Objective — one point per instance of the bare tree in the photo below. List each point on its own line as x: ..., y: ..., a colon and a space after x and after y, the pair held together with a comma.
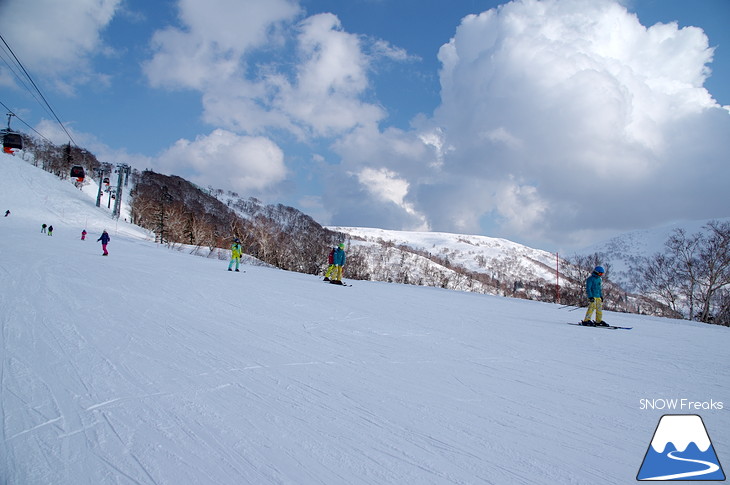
x: 692, y: 272
x: 714, y: 266
x: 683, y: 251
x: 656, y: 277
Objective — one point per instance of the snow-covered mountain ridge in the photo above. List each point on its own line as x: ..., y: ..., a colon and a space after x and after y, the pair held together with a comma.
x: 627, y: 250
x: 451, y: 260
x: 472, y: 252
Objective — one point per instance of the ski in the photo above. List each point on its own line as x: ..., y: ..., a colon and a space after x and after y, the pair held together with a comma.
x: 609, y: 327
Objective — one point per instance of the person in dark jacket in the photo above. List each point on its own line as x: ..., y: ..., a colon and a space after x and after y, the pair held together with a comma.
x: 331, y: 262
x: 50, y: 230
x: 104, y: 238
x: 594, y: 292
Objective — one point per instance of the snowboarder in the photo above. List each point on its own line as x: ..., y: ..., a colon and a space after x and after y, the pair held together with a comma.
x: 43, y: 228
x: 594, y: 293
x: 83, y: 235
x: 104, y: 238
x: 331, y: 262
x: 50, y: 230
x: 339, y: 262
x: 7, y: 213
x: 236, y: 253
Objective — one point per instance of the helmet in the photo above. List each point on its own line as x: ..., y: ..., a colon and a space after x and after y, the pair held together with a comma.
x: 236, y: 240
x: 599, y: 269
x: 342, y: 246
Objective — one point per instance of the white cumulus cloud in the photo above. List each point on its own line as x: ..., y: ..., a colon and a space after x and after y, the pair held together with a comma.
x: 61, y: 39
x: 226, y: 160
x: 561, y: 118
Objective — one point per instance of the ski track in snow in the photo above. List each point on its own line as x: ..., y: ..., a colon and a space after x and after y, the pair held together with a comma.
x: 155, y: 367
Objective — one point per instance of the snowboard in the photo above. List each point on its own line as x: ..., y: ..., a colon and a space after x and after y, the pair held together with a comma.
x: 337, y: 283
x: 609, y: 327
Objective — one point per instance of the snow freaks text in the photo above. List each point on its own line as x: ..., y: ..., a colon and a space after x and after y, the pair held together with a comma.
x: 687, y: 405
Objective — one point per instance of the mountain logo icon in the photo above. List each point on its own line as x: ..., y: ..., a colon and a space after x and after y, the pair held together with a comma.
x: 681, y: 450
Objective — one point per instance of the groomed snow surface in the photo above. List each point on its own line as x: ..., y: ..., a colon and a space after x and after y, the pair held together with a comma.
x: 152, y: 366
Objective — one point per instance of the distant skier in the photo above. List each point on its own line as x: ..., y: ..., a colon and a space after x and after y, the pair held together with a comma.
x: 339, y: 262
x: 331, y: 262
x: 7, y: 213
x: 104, y: 238
x: 83, y: 235
x: 594, y: 292
x: 50, y: 230
x: 236, y: 253
x: 43, y: 228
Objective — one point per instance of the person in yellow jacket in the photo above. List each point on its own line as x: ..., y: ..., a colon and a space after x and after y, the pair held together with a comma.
x: 236, y: 253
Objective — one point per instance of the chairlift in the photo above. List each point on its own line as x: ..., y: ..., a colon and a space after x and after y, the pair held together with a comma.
x: 12, y: 141
x: 106, y: 181
x: 77, y: 171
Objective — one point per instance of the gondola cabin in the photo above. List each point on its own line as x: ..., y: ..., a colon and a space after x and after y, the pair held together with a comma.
x: 12, y: 141
x: 77, y: 172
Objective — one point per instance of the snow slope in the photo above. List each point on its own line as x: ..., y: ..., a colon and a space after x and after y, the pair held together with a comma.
x: 154, y: 367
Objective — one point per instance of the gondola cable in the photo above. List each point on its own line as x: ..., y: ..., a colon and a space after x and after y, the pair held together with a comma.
x: 27, y: 75
x: 23, y: 121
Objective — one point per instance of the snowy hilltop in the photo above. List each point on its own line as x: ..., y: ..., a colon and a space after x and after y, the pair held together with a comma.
x: 479, y: 264
x: 152, y: 366
x: 626, y: 250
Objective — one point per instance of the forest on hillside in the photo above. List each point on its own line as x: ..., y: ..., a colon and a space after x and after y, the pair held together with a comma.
x: 179, y: 212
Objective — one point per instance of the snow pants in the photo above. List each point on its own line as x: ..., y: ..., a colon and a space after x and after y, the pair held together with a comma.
x: 329, y: 271
x: 597, y: 306
x: 237, y: 261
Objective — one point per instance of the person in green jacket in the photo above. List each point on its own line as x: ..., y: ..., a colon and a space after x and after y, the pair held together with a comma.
x: 594, y: 292
x: 236, y: 253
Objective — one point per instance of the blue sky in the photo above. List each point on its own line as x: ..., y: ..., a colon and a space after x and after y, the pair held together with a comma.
x: 554, y: 123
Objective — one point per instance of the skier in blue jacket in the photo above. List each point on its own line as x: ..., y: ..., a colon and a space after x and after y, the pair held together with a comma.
x: 338, y: 260
x: 594, y: 292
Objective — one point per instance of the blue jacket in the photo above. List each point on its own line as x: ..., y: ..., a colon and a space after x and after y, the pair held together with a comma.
x: 339, y: 257
x: 593, y: 286
x: 104, y: 238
